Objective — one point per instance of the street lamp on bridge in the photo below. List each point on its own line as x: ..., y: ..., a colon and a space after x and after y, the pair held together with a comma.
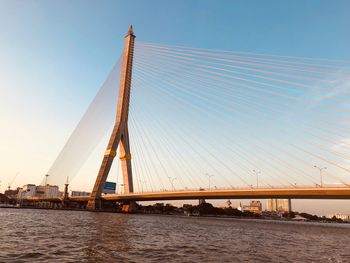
x: 257, y: 177
x: 171, y: 179
x: 209, y: 176
x: 142, y: 183
x: 321, y: 169
x: 121, y: 188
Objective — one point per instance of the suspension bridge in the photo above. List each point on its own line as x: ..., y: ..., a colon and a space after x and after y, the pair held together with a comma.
x: 197, y: 123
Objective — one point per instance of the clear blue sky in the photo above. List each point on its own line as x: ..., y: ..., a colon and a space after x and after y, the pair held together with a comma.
x: 54, y: 55
x: 79, y: 41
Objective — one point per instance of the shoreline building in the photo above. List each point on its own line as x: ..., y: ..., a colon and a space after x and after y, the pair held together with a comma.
x: 11, y: 193
x: 27, y: 190
x: 254, y: 207
x: 47, y: 191
x: 43, y: 191
x: 278, y: 205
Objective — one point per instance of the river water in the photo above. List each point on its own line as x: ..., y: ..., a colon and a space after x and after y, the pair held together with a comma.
x: 71, y: 236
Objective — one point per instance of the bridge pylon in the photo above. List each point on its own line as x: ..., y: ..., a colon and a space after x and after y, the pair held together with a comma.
x: 120, y: 133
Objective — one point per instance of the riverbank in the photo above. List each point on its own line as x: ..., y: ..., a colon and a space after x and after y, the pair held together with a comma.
x: 213, y: 216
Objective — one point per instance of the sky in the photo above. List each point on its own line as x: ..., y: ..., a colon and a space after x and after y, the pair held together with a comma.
x: 55, y: 56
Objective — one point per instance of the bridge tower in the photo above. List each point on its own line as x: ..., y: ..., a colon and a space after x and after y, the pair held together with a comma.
x: 120, y: 133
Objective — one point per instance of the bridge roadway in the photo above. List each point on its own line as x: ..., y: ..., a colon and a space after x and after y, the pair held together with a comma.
x: 238, y: 193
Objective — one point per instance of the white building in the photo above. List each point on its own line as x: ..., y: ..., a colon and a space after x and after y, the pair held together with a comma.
x: 47, y: 191
x: 254, y: 207
x: 27, y: 190
x: 43, y: 191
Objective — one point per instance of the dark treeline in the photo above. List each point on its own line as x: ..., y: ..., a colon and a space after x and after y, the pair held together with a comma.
x: 207, y: 209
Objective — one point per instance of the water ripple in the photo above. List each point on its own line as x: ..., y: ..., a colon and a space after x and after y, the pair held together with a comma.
x: 72, y: 236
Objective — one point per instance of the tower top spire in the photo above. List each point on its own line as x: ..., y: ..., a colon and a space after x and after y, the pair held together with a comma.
x: 130, y: 31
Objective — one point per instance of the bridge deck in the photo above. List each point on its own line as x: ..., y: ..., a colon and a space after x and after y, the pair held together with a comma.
x: 262, y: 193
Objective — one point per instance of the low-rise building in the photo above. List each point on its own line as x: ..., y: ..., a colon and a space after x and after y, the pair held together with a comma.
x: 254, y: 207
x: 47, y: 191
x: 12, y: 194
x: 42, y: 191
x: 26, y: 191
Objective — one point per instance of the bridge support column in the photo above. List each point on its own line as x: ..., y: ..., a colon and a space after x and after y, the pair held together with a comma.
x: 120, y: 133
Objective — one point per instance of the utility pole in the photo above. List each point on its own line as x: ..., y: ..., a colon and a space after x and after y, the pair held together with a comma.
x: 66, y: 189
x: 46, y: 176
x: 142, y: 182
x: 320, y: 169
x: 13, y: 179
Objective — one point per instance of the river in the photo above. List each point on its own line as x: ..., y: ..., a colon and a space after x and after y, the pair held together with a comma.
x: 28, y: 235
